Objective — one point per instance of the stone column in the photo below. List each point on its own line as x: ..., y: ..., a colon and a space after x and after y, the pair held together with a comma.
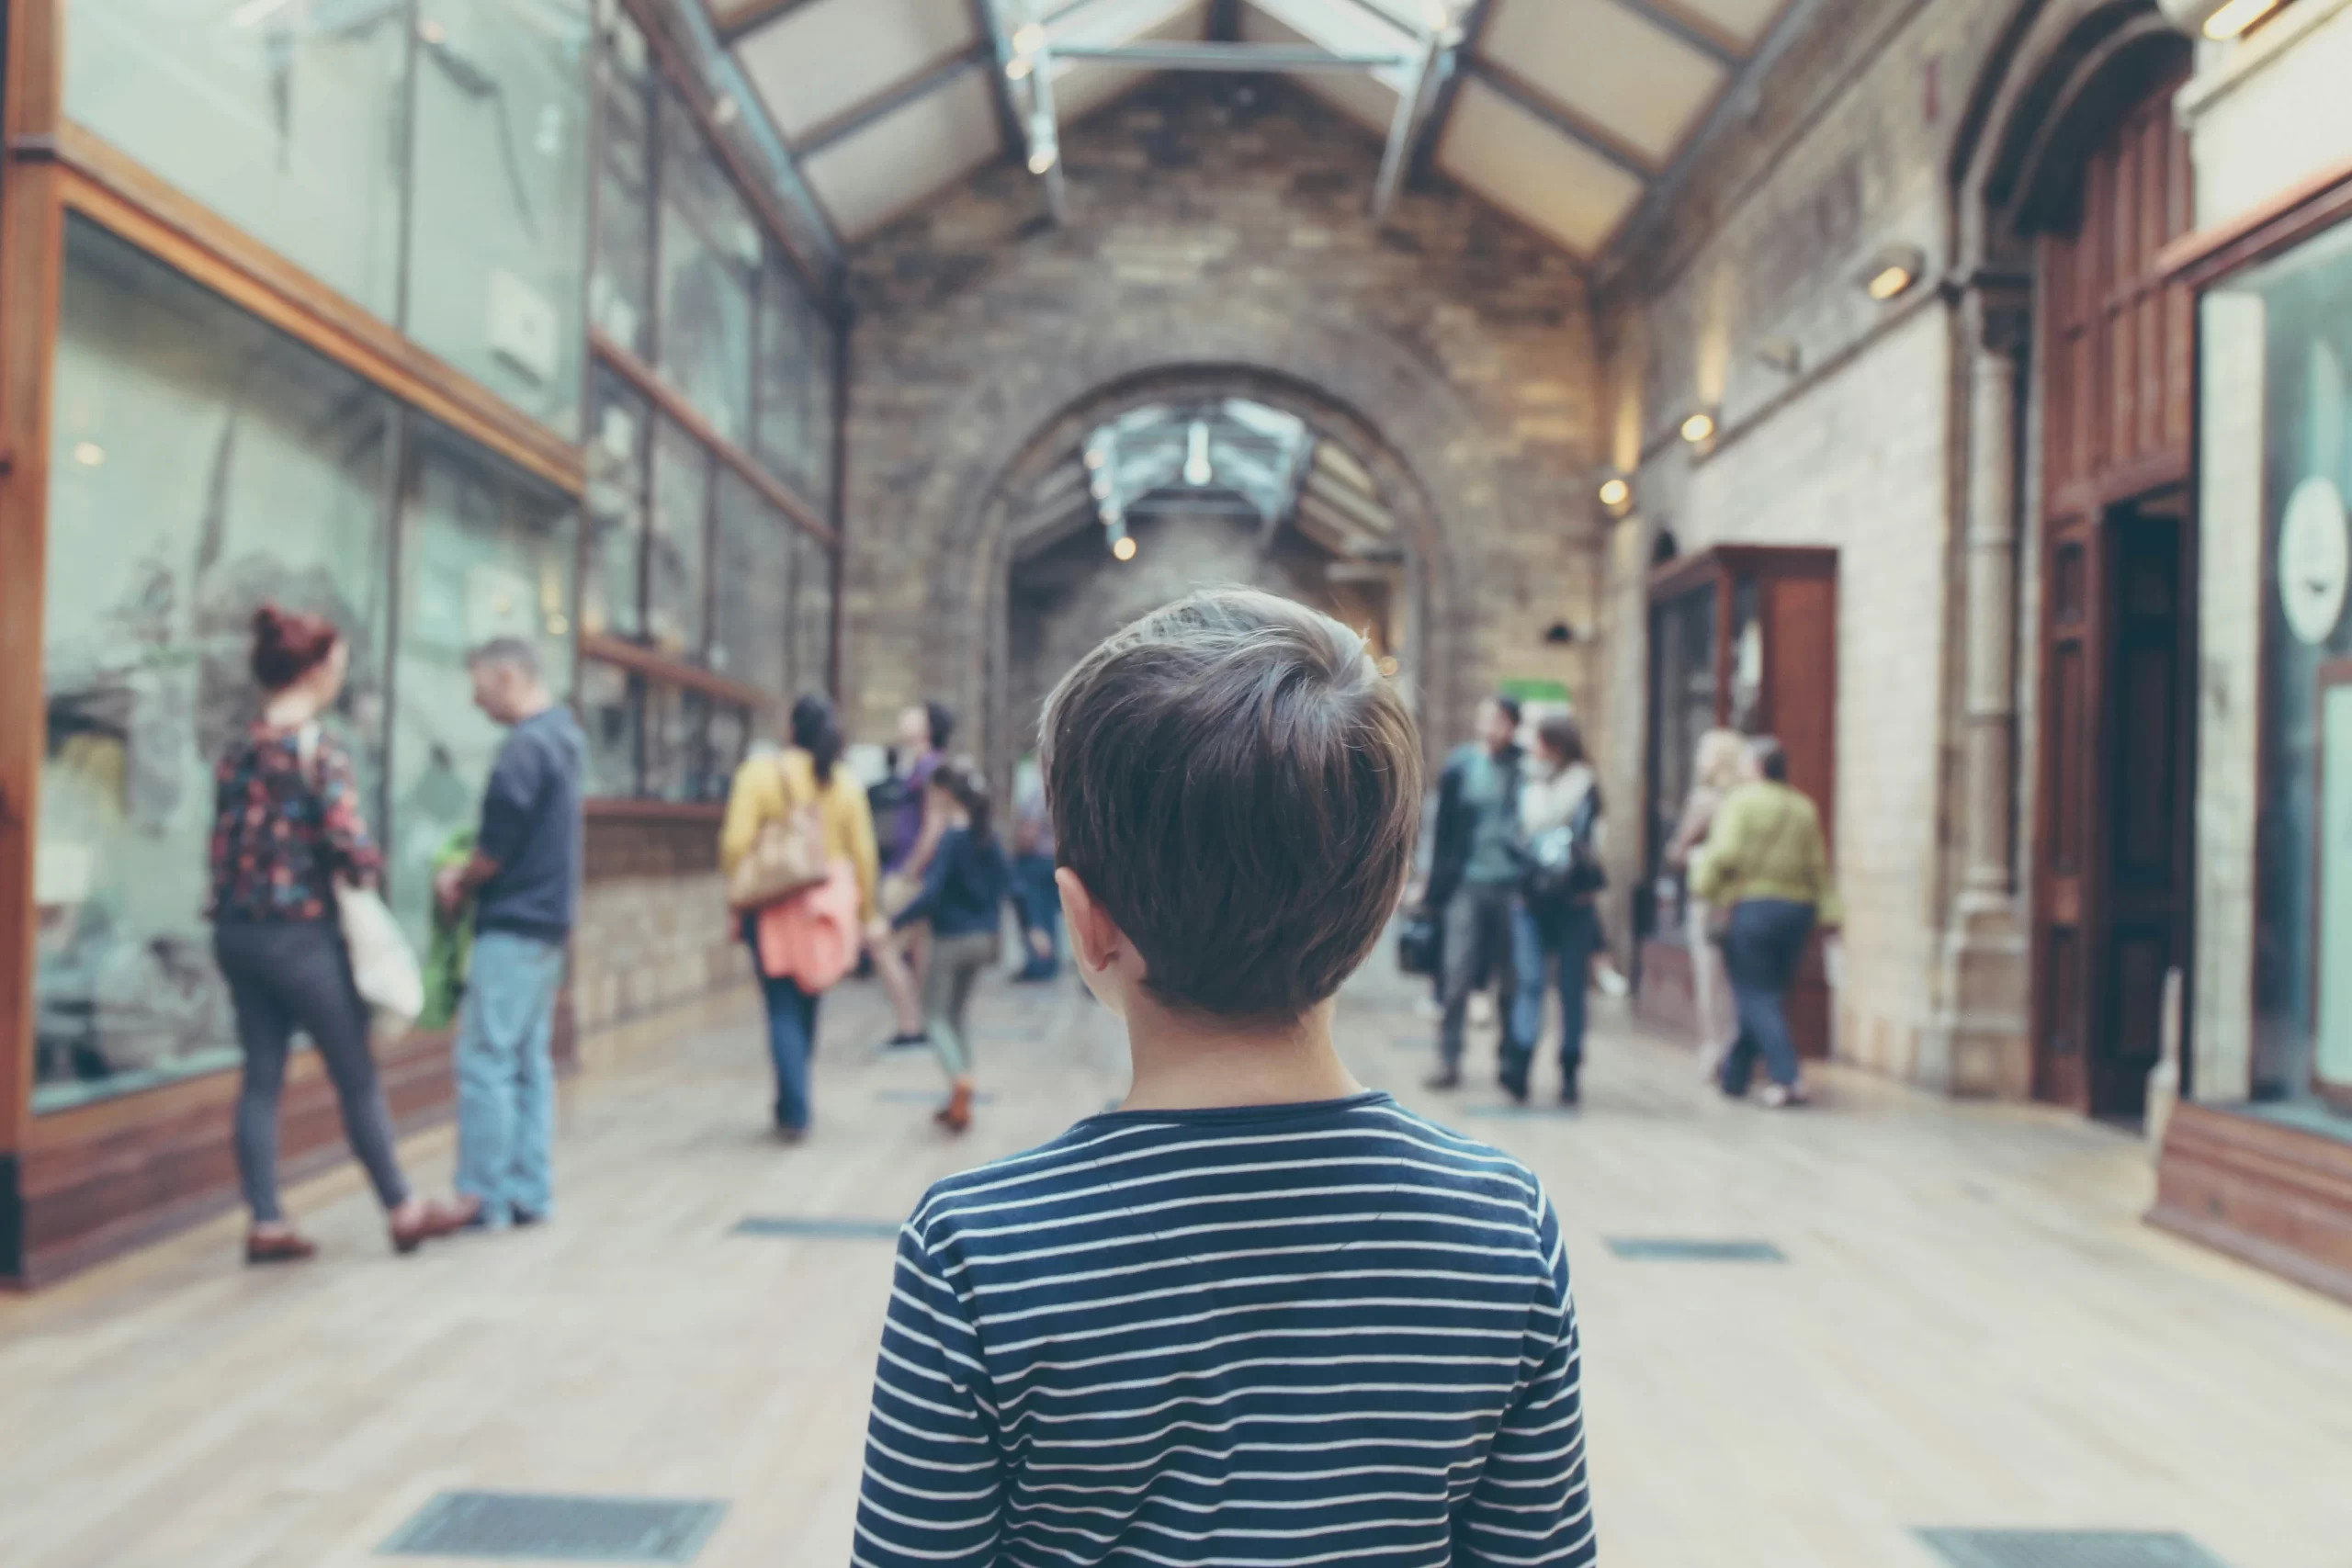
x: 1996, y: 331
x: 1980, y: 1044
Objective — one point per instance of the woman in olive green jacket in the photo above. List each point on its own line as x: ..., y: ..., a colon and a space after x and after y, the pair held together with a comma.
x: 1766, y: 863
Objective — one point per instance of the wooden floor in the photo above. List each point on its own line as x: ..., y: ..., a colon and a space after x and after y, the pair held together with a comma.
x: 1971, y: 1328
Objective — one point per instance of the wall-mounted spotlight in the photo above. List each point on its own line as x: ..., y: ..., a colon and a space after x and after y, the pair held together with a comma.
x: 1019, y: 66
x: 1029, y: 38
x: 1699, y: 428
x: 1892, y: 272
x: 1616, y: 490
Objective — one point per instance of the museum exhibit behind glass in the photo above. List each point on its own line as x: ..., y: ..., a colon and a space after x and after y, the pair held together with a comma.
x: 290, y: 121
x: 2301, y: 308
x: 222, y: 463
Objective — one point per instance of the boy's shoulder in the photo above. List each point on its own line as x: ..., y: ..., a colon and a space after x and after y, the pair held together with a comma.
x: 1104, y: 1154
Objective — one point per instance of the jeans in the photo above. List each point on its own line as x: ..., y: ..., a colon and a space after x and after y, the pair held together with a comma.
x: 1038, y: 904
x: 290, y: 975
x: 1762, y: 948
x: 792, y: 1040
x: 1566, y: 937
x: 506, y: 1078
x: 955, y: 965
x: 1477, y: 944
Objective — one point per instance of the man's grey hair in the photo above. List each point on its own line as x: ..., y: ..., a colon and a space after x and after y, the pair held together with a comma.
x: 511, y: 651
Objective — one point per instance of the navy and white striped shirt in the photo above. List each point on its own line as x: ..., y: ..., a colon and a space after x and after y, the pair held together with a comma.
x: 1282, y: 1335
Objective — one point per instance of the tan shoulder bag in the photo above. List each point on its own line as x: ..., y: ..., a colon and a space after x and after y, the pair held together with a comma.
x: 788, y: 857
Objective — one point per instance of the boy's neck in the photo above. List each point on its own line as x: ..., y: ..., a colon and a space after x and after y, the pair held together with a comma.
x: 1192, y: 1063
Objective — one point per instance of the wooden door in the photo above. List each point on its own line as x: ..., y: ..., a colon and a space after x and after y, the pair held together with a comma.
x: 2067, y: 899
x: 2118, y: 594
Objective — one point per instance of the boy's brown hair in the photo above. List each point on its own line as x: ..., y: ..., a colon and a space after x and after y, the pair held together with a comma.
x: 1237, y: 785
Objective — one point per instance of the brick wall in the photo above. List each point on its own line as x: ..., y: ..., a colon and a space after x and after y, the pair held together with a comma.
x: 1216, y: 227
x: 653, y: 931
x: 1849, y: 147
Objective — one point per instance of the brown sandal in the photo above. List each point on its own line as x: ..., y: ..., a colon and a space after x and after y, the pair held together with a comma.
x: 287, y: 1247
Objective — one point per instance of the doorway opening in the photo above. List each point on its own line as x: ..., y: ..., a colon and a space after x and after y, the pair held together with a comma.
x: 2114, y: 885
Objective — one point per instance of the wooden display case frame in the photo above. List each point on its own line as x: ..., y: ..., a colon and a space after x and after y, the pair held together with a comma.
x: 80, y: 1184
x: 1664, y: 961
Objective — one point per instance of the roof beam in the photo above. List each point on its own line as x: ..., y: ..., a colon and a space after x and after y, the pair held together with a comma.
x: 1558, y: 117
x: 1406, y: 123
x: 1669, y: 17
x: 1182, y: 56
x: 1423, y: 153
x: 891, y: 99
x: 737, y: 20
x: 1731, y: 104
x: 1000, y: 55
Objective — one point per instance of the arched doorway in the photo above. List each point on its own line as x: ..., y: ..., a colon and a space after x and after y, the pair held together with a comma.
x: 1212, y: 474
x: 2080, y: 180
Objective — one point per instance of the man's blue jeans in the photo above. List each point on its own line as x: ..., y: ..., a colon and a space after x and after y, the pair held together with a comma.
x: 506, y: 1078
x: 1762, y: 948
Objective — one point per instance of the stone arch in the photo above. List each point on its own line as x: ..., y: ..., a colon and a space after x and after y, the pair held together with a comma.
x: 1419, y: 438
x: 2061, y: 67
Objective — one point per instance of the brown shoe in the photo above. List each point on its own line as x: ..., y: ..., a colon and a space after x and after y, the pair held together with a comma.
x: 956, y: 1114
x: 439, y: 1220
x: 284, y: 1247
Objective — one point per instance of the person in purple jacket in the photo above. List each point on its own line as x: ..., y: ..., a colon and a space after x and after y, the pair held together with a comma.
x: 909, y: 839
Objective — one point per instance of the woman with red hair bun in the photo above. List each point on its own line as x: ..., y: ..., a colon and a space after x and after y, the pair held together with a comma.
x: 286, y: 830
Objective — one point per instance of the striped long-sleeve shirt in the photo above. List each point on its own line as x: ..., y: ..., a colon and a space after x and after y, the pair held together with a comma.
x: 1286, y: 1335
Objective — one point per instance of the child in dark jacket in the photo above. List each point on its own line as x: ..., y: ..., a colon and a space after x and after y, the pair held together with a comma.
x: 963, y: 897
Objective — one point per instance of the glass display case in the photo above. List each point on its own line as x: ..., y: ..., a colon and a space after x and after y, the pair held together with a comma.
x: 2284, y: 328
x: 224, y: 465
x: 1742, y: 639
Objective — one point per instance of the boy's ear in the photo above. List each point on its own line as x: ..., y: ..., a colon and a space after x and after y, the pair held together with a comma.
x: 1095, y: 938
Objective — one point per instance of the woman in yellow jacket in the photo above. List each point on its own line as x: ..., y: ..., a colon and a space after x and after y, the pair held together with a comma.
x: 770, y: 789
x: 1766, y: 863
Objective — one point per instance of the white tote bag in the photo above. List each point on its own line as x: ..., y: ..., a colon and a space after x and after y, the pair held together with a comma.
x: 383, y: 965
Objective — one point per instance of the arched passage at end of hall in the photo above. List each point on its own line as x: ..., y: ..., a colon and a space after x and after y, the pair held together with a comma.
x: 1395, y: 414
x: 1062, y: 590
x: 2069, y: 177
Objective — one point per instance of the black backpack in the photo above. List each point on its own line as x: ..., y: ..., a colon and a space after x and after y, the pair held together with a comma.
x: 1561, y: 865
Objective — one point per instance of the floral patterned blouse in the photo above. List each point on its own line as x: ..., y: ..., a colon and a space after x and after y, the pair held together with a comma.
x: 282, y: 834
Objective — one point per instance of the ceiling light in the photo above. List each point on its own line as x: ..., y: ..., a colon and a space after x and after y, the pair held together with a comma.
x: 1095, y: 458
x: 1699, y: 428
x: 1893, y: 271
x: 1019, y: 67
x: 90, y: 454
x: 1389, y: 665
x: 433, y: 32
x: 1124, y: 550
x: 1614, y: 491
x: 2235, y: 18
x: 1198, y: 469
x: 1029, y: 38
x: 1044, y: 145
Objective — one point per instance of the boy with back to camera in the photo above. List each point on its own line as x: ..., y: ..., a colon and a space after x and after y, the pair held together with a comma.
x: 1258, y: 1315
